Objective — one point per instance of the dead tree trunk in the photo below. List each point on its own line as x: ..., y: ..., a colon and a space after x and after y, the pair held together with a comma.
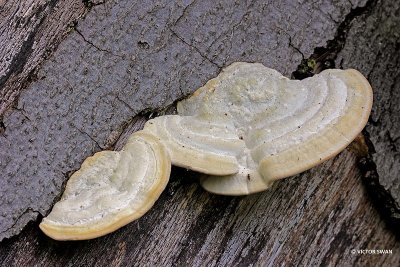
x: 66, y: 96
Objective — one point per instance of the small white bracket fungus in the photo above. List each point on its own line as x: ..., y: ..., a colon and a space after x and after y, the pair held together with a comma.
x: 110, y: 190
x: 288, y: 126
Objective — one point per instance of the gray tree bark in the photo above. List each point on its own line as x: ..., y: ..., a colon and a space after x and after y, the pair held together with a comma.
x: 67, y: 96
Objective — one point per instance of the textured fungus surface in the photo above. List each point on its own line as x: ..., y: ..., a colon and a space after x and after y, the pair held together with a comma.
x: 110, y: 190
x: 205, y: 145
x: 286, y: 126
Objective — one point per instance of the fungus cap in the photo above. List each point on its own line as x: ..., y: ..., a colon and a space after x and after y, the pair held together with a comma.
x: 110, y: 190
x: 287, y: 126
x: 206, y: 146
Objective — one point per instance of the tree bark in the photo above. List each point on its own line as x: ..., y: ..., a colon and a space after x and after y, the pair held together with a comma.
x: 127, y: 61
x: 29, y: 32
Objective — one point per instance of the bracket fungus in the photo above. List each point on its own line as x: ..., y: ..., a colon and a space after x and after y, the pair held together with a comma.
x: 288, y: 126
x: 110, y: 190
x: 244, y: 129
x: 202, y: 145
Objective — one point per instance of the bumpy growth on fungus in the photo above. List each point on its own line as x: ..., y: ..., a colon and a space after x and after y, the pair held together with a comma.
x: 244, y: 129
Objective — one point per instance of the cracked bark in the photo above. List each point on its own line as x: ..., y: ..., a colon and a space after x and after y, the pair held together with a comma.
x: 28, y: 210
x: 91, y: 43
x: 387, y: 201
x: 325, y: 57
x: 379, y: 62
x: 195, y: 48
x: 127, y: 62
x: 30, y: 31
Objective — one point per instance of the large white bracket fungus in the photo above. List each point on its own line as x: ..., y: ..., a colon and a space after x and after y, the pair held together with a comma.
x: 110, y: 190
x: 288, y: 126
x: 244, y: 129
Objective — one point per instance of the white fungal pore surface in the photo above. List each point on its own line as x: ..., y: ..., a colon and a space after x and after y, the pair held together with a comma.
x: 287, y: 126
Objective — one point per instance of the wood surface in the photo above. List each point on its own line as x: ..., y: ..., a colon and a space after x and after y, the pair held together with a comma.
x: 125, y: 62
x: 29, y: 32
